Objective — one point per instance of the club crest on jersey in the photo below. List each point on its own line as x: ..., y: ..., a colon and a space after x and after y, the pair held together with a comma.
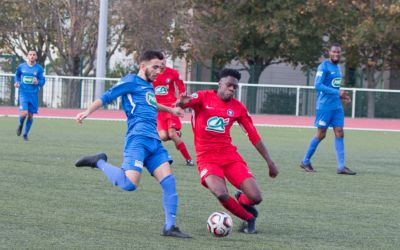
x: 336, y: 82
x: 161, y: 90
x: 151, y: 99
x: 229, y: 112
x: 217, y: 124
x: 168, y: 80
x: 195, y: 95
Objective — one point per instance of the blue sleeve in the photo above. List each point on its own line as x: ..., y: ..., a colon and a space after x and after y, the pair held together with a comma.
x: 319, y: 81
x: 18, y: 74
x: 121, y: 88
x: 41, y: 78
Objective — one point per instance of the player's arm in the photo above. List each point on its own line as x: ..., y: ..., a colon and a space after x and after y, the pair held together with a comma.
x: 108, y: 97
x: 319, y: 82
x: 189, y: 101
x: 177, y: 111
x: 18, y: 77
x: 93, y: 107
x: 41, y: 79
x: 181, y: 86
x: 247, y: 125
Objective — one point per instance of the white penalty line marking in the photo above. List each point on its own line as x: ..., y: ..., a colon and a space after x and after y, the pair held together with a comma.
x: 188, y: 122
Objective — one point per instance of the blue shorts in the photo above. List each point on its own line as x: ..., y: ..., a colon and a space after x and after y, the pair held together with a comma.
x: 329, y: 118
x: 29, y: 102
x: 141, y: 151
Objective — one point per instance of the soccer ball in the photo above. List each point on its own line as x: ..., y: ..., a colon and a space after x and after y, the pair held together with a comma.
x: 219, y: 224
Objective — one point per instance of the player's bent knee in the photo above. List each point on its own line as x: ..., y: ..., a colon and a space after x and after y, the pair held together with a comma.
x: 257, y: 200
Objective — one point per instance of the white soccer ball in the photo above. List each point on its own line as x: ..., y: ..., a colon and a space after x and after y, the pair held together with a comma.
x: 219, y: 224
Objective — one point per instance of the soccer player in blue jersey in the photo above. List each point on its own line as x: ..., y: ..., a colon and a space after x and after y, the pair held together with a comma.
x: 29, y: 78
x: 143, y: 148
x: 329, y: 110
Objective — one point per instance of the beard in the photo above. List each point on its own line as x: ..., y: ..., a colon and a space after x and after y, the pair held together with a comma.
x: 148, y: 76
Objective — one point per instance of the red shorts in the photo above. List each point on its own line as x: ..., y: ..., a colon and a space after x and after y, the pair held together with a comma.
x: 232, y: 167
x: 166, y: 121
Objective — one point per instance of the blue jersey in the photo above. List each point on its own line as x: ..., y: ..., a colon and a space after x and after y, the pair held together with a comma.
x: 139, y: 103
x: 26, y: 74
x: 327, y: 83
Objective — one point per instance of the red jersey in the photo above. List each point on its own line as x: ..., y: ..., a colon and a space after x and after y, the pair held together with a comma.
x: 212, y: 121
x: 165, y: 87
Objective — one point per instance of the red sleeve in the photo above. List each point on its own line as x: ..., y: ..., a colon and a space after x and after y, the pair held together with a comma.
x: 195, y: 99
x: 180, y: 84
x: 248, y: 127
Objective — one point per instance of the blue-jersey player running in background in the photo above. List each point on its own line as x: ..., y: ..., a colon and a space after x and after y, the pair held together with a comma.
x: 329, y: 111
x: 143, y: 148
x: 29, y: 78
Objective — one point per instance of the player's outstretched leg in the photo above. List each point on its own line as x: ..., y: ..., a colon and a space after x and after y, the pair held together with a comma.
x: 114, y: 174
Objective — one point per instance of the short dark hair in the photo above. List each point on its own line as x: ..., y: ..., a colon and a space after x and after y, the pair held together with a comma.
x: 230, y: 72
x: 150, y: 55
x: 335, y: 45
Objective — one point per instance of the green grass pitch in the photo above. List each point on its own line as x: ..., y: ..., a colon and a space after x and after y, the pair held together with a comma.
x: 47, y: 203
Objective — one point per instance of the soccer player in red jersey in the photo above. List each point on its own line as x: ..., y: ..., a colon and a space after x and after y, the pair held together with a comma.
x: 217, y: 158
x: 168, y: 126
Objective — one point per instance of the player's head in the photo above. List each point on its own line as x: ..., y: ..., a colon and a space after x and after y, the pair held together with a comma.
x: 32, y: 56
x: 151, y: 64
x: 228, y: 83
x: 335, y: 53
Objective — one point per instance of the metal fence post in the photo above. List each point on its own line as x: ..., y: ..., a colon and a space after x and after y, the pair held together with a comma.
x: 297, y: 100
x: 240, y: 92
x: 353, y: 105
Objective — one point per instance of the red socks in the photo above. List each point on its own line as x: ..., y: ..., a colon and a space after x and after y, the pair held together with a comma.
x: 182, y: 148
x: 244, y: 200
x: 235, y: 208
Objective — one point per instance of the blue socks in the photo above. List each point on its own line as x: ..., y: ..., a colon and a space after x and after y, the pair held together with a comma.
x: 170, y: 200
x: 311, y: 150
x: 339, y: 147
x: 21, y: 121
x: 28, y: 126
x: 116, y: 176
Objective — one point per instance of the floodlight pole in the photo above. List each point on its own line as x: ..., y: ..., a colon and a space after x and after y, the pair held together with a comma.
x: 101, y: 48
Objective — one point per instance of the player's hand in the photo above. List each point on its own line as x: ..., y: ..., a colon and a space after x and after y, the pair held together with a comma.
x: 35, y: 81
x: 16, y: 84
x: 80, y: 117
x: 344, y: 95
x: 183, y: 99
x: 273, y: 170
x: 178, y: 111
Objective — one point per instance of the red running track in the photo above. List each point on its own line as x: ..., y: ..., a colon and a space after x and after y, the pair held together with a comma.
x: 260, y: 120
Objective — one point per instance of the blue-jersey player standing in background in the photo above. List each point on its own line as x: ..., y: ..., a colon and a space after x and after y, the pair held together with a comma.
x: 29, y: 78
x: 143, y: 147
x: 329, y: 110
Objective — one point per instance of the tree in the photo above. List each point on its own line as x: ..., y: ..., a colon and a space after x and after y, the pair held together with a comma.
x: 256, y: 33
x: 369, y: 32
x: 150, y: 25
